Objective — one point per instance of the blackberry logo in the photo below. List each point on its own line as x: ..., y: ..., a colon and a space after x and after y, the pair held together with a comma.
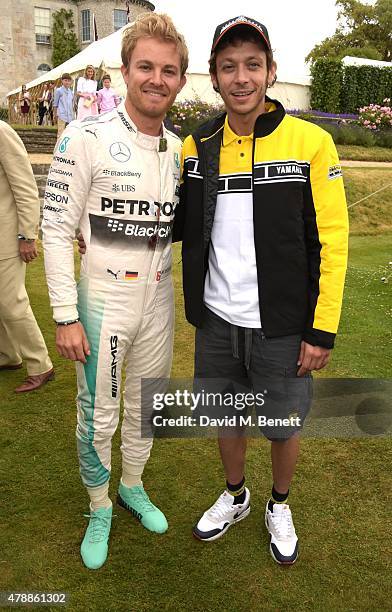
x: 115, y: 226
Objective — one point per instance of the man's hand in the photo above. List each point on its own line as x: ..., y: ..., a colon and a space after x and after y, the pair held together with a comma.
x: 28, y: 250
x: 72, y: 343
x: 81, y: 243
x: 312, y: 358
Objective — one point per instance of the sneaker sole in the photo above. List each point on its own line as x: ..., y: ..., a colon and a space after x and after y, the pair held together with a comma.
x: 272, y: 552
x: 219, y: 535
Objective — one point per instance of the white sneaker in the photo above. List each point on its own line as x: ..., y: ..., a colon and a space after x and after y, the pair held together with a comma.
x: 283, y: 539
x: 217, y: 519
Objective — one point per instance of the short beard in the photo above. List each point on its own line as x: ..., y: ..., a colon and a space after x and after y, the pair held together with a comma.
x: 217, y: 89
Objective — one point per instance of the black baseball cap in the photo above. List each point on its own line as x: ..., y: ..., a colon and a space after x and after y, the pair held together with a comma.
x: 229, y: 25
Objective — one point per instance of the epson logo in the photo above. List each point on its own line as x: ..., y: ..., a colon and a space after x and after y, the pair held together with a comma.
x: 58, y: 185
x: 113, y: 365
x: 56, y: 197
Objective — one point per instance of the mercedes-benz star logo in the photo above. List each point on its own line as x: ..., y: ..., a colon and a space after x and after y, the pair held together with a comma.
x: 120, y: 152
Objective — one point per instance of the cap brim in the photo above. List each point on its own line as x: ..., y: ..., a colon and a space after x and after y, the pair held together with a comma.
x: 236, y: 25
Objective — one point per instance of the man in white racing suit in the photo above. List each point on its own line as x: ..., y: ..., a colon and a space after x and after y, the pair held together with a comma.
x: 116, y: 177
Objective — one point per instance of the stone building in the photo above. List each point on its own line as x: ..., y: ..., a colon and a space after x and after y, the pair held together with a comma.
x: 26, y: 32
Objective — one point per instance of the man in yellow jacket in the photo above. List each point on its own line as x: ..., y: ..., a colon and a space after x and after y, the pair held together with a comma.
x: 264, y: 229
x: 20, y: 336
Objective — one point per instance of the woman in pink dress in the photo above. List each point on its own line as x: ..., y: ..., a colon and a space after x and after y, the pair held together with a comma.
x: 86, y: 91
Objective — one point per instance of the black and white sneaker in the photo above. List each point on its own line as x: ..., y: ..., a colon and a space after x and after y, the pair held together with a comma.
x: 283, y: 539
x: 217, y: 519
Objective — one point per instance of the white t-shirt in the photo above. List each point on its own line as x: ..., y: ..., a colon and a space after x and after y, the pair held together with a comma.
x: 231, y: 287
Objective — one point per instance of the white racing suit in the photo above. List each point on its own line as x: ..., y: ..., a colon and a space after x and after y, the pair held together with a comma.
x: 120, y: 187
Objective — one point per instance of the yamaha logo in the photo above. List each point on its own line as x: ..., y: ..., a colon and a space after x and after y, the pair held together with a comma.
x: 120, y: 152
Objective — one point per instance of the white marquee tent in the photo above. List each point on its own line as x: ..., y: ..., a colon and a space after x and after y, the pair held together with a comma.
x: 104, y: 54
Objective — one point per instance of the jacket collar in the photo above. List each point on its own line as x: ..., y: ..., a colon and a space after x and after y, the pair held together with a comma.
x: 143, y: 140
x: 269, y: 121
x: 265, y: 123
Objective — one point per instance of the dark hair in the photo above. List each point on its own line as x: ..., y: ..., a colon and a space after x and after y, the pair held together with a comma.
x: 234, y: 37
x: 106, y: 76
x: 66, y: 75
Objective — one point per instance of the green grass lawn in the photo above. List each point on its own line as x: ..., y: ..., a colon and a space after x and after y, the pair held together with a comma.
x: 364, y: 153
x: 373, y: 215
x: 339, y: 496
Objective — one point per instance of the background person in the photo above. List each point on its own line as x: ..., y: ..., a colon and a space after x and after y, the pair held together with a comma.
x: 24, y: 105
x: 107, y: 98
x: 20, y: 336
x: 86, y: 92
x: 43, y: 103
x: 49, y: 114
x: 263, y: 220
x: 63, y: 104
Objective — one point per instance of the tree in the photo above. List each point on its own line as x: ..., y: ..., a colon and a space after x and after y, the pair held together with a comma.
x: 65, y: 43
x: 363, y: 30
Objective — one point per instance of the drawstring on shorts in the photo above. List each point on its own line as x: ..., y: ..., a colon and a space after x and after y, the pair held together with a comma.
x: 247, y: 344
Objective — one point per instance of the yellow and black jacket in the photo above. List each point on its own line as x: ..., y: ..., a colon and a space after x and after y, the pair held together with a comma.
x: 300, y: 223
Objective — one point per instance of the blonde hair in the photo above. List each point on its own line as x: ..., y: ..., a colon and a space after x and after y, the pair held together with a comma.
x: 87, y: 68
x: 153, y: 25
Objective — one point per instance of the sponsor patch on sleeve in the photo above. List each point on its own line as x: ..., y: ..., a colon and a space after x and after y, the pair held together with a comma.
x: 334, y: 172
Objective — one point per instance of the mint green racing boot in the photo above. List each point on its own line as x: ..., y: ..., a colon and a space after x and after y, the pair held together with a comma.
x: 94, y: 548
x: 136, y: 500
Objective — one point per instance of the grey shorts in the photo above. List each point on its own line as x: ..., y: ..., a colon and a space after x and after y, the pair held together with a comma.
x: 235, y: 362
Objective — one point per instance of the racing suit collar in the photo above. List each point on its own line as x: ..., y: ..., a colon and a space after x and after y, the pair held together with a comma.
x: 143, y: 140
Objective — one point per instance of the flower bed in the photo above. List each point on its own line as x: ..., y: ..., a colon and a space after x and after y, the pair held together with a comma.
x: 187, y: 115
x: 376, y: 116
x: 372, y: 127
x: 323, y: 115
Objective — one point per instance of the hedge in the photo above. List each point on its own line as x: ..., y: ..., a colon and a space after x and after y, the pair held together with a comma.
x: 337, y: 88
